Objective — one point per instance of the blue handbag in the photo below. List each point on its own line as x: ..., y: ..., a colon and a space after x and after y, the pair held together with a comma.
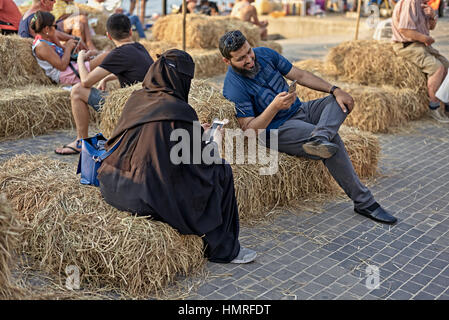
x: 92, y: 153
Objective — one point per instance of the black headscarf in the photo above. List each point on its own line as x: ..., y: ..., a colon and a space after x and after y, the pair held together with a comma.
x: 164, y: 95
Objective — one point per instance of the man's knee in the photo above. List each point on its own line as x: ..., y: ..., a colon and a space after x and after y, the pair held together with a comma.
x: 78, y: 92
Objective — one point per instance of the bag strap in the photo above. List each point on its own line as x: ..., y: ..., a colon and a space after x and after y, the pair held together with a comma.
x: 74, y: 70
x: 110, y: 151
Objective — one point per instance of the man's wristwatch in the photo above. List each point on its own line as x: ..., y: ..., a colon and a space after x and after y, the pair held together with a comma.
x: 333, y: 89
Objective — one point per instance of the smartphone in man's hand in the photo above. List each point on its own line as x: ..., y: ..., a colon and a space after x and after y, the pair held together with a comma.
x: 292, y: 87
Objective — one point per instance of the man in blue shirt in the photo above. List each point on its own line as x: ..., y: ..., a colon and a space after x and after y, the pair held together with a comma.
x: 255, y: 84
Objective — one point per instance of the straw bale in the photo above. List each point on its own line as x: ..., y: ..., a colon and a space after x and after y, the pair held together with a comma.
x: 296, y: 177
x: 202, y: 31
x: 102, y: 42
x: 34, y: 110
x: 376, y: 109
x: 18, y: 67
x: 272, y: 45
x: 10, y: 233
x: 86, y: 8
x: 100, y: 26
x: 24, y: 8
x: 158, y: 47
x: 208, y: 62
x: 374, y: 63
x: 70, y: 224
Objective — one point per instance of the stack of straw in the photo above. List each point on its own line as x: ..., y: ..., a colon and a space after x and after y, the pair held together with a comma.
x: 10, y: 233
x: 296, y: 177
x: 388, y: 90
x: 29, y: 105
x: 202, y: 32
x: 67, y: 223
x: 33, y: 110
x: 202, y: 37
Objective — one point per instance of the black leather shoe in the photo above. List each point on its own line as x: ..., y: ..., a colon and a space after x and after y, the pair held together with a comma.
x: 320, y: 147
x: 378, y: 214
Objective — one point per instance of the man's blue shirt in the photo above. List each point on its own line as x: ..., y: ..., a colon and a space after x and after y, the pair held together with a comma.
x: 252, y: 96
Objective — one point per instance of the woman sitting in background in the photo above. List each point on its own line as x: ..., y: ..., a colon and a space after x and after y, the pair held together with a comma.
x: 53, y: 59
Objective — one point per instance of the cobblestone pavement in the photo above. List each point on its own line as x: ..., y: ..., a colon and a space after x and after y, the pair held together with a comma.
x: 325, y: 255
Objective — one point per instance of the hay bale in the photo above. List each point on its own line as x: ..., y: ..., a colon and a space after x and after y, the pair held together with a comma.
x: 100, y: 26
x: 296, y: 177
x: 374, y: 63
x: 34, y: 110
x: 24, y: 8
x: 202, y: 31
x: 208, y: 63
x: 158, y: 47
x: 376, y: 109
x: 272, y: 45
x: 18, y: 67
x: 70, y: 224
x: 102, y: 42
x: 10, y: 236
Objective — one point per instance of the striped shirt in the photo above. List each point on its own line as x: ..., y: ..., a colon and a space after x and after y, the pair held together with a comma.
x: 408, y: 14
x: 252, y: 96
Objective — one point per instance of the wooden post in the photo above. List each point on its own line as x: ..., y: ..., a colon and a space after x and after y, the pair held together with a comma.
x: 184, y: 17
x: 142, y: 12
x: 164, y: 7
x: 359, y: 6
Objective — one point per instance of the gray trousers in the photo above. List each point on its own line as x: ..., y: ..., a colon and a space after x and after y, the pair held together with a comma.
x: 323, y: 117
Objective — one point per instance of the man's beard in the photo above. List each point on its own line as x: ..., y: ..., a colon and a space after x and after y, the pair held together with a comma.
x: 248, y: 73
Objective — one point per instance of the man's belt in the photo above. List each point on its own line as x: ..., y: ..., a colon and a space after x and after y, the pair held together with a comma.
x: 406, y: 44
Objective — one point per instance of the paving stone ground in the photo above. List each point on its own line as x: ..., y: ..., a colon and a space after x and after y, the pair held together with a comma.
x: 325, y: 254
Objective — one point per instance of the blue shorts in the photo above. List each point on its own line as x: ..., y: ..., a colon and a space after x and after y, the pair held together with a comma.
x: 96, y: 98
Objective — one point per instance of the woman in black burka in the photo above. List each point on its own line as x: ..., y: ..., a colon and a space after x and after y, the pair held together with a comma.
x: 140, y: 176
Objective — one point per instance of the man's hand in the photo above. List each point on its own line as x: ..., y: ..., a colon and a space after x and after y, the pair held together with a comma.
x: 82, y: 56
x: 428, y: 40
x: 102, y: 85
x: 428, y: 11
x: 69, y: 45
x: 206, y: 126
x: 344, y: 100
x: 284, y: 100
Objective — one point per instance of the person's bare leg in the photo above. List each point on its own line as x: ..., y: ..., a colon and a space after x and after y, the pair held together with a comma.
x: 263, y: 33
x: 80, y: 110
x: 132, y: 6
x: 434, y: 81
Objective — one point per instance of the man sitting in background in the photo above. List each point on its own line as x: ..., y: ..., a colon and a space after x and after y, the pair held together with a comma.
x: 412, y: 20
x: 113, y: 6
x: 247, y: 12
x: 9, y: 17
x: 128, y: 62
